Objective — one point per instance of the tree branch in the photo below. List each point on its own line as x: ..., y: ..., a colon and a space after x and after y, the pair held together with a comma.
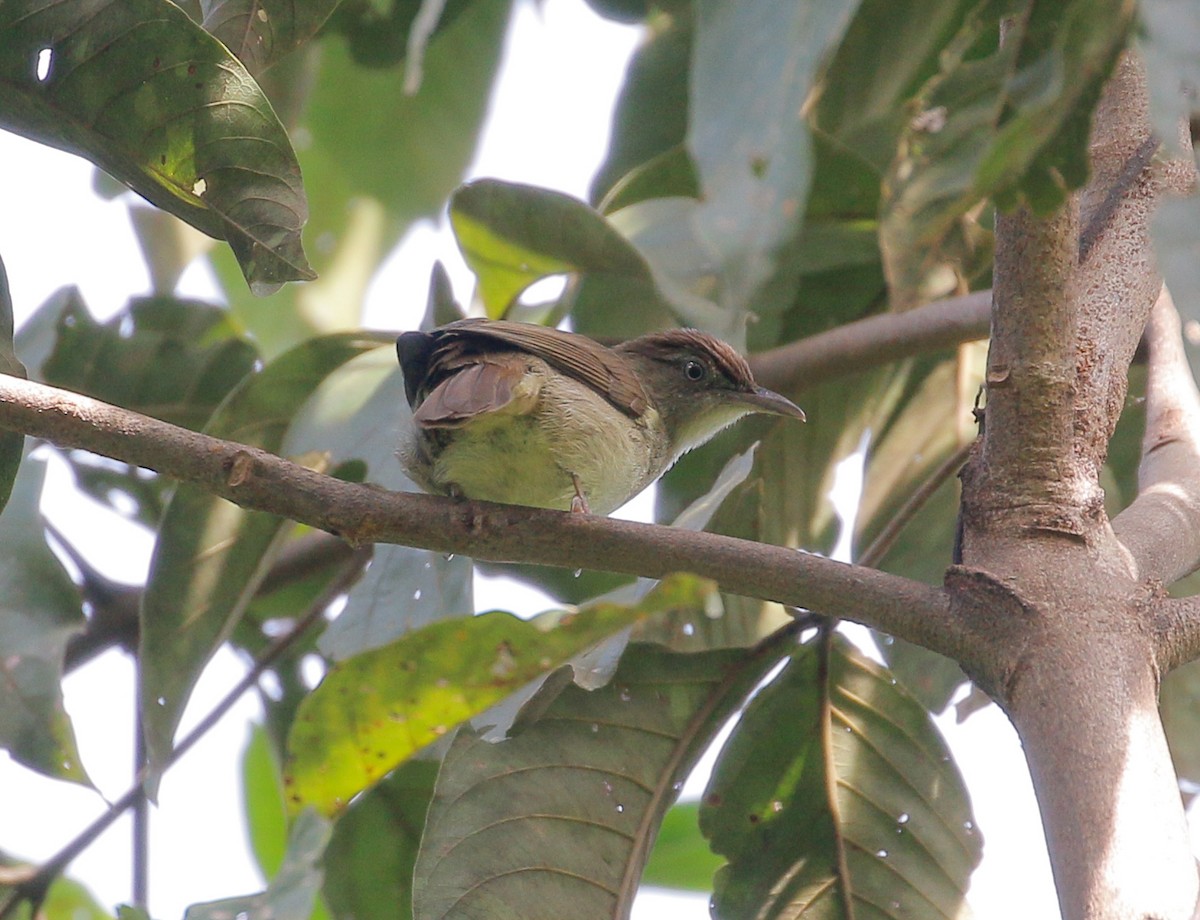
x: 1027, y: 451
x: 873, y: 341
x: 1118, y: 281
x: 361, y: 514
x: 1161, y: 528
x: 1177, y: 631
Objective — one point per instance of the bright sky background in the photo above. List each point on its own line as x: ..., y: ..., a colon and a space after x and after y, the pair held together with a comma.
x: 549, y: 126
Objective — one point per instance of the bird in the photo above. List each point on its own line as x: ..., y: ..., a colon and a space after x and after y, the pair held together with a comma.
x: 525, y: 414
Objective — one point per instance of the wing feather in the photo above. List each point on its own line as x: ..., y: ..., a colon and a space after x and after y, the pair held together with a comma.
x: 607, y: 372
x: 473, y: 390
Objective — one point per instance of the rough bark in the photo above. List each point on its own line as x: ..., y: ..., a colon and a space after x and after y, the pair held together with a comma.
x: 1075, y: 659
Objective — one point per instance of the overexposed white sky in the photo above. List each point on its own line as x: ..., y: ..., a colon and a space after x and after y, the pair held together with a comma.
x: 549, y: 126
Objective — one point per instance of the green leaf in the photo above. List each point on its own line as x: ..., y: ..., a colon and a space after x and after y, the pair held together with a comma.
x: 559, y: 819
x: 753, y: 67
x: 513, y: 235
x: 160, y: 104
x: 369, y: 861
x: 260, y: 32
x: 39, y: 612
x: 12, y: 443
x: 1009, y: 122
x: 681, y: 857
x: 292, y: 893
x: 836, y: 794
x: 211, y: 554
x: 375, y: 710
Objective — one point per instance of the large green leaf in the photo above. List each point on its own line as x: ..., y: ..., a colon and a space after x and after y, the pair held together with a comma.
x: 121, y: 361
x: 835, y: 796
x: 559, y: 819
x: 1009, y: 122
x: 39, y: 611
x: 375, y: 710
x: 150, y: 97
x: 211, y: 554
x: 12, y: 443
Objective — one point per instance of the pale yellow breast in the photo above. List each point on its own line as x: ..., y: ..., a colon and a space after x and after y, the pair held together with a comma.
x: 527, y: 457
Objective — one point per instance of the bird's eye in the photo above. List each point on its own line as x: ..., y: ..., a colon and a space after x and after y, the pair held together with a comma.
x: 695, y: 370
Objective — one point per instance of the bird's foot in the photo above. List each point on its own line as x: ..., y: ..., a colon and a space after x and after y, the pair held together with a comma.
x: 579, y: 503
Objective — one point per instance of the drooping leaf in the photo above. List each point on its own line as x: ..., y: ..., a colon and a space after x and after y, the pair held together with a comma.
x: 211, y: 554
x: 260, y: 32
x: 513, y: 235
x: 375, y: 710
x: 292, y: 893
x: 157, y: 102
x: 559, y: 819
x: 39, y: 611
x: 369, y: 861
x: 836, y: 794
x: 12, y: 443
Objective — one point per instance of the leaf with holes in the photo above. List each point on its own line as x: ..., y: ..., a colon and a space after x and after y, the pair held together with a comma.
x: 835, y: 795
x: 558, y: 820
x: 157, y: 102
x: 375, y: 710
x: 260, y: 32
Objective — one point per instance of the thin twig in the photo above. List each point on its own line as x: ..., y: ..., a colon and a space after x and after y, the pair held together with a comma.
x: 873, y: 341
x: 33, y: 890
x: 883, y: 541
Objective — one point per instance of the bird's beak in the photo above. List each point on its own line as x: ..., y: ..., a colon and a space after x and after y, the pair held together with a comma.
x: 764, y: 400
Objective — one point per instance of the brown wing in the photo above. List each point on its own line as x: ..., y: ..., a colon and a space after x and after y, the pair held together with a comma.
x: 604, y: 370
x: 474, y: 389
